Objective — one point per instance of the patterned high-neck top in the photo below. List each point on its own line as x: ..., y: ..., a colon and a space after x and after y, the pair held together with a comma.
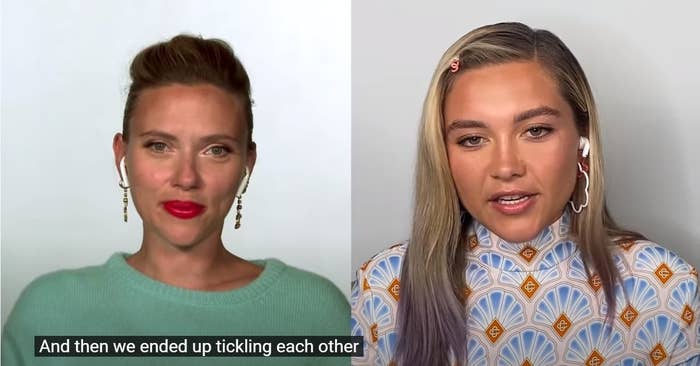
x: 533, y: 304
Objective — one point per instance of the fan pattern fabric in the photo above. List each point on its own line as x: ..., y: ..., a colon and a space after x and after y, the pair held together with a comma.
x: 534, y: 304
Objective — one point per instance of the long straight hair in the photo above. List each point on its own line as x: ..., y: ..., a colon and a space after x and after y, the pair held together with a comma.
x: 431, y: 316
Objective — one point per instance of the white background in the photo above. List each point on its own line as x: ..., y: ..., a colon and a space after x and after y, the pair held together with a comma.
x: 641, y: 59
x: 64, y: 83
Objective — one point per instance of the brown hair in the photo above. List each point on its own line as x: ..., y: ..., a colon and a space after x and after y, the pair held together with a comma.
x: 188, y: 60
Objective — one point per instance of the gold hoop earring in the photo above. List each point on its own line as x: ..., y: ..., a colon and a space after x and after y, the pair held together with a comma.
x: 125, y: 199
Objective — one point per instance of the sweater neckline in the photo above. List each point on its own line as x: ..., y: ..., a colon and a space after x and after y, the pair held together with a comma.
x: 129, y: 276
x: 547, y: 250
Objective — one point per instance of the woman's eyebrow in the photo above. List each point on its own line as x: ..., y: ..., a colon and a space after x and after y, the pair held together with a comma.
x: 205, y: 139
x: 522, y: 116
x: 218, y: 137
x: 465, y: 123
x: 536, y: 112
x: 160, y: 134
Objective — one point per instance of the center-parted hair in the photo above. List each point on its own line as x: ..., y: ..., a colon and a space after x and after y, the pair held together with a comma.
x: 431, y: 316
x: 189, y: 60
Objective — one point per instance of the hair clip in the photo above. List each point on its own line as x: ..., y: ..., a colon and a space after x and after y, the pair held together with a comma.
x: 454, y: 64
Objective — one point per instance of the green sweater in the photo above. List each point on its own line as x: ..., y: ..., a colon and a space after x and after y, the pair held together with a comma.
x: 116, y: 300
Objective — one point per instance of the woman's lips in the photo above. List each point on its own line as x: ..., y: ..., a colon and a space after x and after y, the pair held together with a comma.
x: 514, y: 204
x: 183, y: 209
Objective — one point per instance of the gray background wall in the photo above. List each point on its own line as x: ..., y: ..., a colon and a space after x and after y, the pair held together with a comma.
x: 641, y: 59
x: 64, y: 82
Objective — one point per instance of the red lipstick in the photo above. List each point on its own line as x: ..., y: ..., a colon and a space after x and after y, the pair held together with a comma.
x: 183, y: 209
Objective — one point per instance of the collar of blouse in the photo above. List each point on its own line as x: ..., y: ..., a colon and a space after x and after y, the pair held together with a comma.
x: 548, y: 249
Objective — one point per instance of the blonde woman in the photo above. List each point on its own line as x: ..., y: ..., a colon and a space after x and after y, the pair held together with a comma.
x: 514, y: 259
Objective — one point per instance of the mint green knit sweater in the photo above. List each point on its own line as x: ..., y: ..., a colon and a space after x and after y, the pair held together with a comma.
x: 115, y: 300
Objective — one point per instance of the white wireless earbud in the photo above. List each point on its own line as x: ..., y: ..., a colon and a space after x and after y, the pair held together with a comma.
x: 122, y: 170
x: 585, y: 145
x: 244, y: 183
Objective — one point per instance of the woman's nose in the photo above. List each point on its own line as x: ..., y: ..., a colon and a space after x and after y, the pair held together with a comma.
x: 506, y: 162
x: 186, y: 175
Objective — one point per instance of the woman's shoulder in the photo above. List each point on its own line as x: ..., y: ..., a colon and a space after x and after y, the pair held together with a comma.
x: 380, y: 275
x: 300, y: 276
x: 389, y: 258
x: 660, y: 291
x: 295, y: 280
x: 61, y: 283
x: 645, y: 256
x: 649, y: 265
x: 316, y: 303
x: 48, y: 295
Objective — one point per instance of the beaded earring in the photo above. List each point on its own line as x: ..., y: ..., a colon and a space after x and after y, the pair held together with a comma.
x: 239, y: 195
x: 124, y: 184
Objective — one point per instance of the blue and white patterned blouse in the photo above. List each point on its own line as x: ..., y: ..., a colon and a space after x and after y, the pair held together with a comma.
x: 533, y: 304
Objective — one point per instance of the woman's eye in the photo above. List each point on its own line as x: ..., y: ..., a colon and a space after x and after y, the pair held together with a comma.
x: 537, y: 132
x: 158, y: 147
x: 218, y: 150
x: 471, y: 141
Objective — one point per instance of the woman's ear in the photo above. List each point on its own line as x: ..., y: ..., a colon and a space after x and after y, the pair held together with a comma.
x: 252, y: 157
x: 585, y: 145
x: 119, y: 148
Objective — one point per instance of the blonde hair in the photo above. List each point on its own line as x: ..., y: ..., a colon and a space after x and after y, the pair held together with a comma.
x: 431, y: 315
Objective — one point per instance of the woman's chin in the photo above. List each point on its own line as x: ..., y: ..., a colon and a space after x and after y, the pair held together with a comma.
x: 183, y: 239
x: 181, y: 234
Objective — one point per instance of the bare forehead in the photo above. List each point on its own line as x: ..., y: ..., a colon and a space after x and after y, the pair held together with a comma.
x: 178, y: 100
x: 189, y: 109
x: 196, y: 92
x: 502, y: 90
x: 511, y: 74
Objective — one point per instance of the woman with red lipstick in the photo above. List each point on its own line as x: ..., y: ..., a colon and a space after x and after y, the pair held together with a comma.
x: 185, y: 154
x: 514, y: 259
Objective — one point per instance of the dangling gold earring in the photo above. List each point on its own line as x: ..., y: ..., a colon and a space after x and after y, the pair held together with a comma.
x: 239, y: 196
x: 124, y: 183
x: 238, y: 213
x: 125, y: 200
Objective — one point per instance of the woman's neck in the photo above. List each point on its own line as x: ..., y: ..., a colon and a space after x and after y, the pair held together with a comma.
x: 206, y: 266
